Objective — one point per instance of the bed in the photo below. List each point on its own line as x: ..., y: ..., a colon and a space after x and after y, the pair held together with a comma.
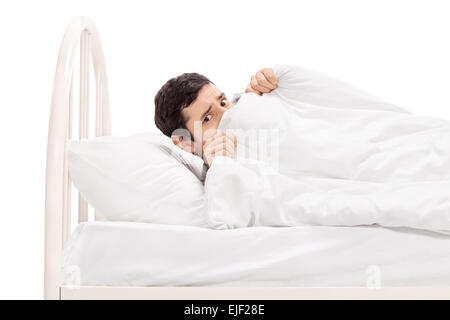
x: 129, y: 260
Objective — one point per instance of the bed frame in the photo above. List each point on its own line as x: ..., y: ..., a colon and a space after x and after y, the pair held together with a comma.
x: 82, y: 35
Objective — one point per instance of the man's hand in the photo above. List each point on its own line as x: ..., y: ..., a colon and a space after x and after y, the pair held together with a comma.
x: 221, y: 143
x: 264, y: 81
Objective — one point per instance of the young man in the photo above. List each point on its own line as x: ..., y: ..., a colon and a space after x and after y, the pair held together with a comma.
x: 188, y: 108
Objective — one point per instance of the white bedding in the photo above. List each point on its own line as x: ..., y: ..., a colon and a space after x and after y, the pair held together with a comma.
x: 140, y: 254
x: 342, y: 157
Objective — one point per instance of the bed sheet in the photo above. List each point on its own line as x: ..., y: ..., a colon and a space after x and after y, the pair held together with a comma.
x: 140, y: 254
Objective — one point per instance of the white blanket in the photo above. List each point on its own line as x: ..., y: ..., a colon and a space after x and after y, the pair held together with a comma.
x: 343, y: 157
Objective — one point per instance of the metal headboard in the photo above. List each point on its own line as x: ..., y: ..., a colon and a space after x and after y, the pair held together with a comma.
x: 81, y: 34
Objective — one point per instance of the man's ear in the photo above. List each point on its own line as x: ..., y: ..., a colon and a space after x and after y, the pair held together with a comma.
x: 183, y: 143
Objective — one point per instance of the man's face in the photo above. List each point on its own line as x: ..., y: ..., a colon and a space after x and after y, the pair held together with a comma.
x: 205, y: 112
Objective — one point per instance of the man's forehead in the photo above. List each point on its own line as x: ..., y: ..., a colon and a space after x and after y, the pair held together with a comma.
x: 208, y: 93
x: 205, y: 97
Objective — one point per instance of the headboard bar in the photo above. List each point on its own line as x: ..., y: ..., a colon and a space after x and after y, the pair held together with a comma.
x: 67, y: 181
x: 83, y: 209
x: 98, y: 120
x: 82, y: 34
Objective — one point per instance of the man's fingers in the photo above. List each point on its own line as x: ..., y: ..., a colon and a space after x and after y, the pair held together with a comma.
x: 250, y: 89
x: 255, y: 85
x: 222, y: 143
x: 209, y: 135
x: 270, y: 76
x: 222, y: 149
x: 232, y: 137
x: 226, y: 142
x: 223, y: 152
x: 228, y: 154
x: 221, y: 133
x: 221, y: 137
x: 262, y: 81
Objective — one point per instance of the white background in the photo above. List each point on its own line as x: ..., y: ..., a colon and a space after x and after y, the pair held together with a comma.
x: 398, y: 50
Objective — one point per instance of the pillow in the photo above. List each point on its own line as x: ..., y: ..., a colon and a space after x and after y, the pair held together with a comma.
x: 142, y: 178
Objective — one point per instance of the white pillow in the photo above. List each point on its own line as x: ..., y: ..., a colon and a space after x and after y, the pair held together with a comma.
x: 143, y: 178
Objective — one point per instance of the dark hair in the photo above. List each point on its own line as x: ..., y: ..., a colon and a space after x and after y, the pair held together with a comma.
x: 175, y: 95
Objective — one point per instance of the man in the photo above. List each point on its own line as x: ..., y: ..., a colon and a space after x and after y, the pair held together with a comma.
x: 188, y: 108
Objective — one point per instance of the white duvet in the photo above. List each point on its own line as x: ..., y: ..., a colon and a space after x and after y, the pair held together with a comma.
x: 343, y: 157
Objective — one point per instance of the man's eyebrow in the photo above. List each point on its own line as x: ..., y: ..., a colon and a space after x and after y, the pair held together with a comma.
x: 206, y: 112
x: 209, y: 108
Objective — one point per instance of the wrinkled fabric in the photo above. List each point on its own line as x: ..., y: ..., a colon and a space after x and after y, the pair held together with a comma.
x: 343, y: 157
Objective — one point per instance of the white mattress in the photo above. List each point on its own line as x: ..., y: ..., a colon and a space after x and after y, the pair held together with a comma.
x: 140, y: 254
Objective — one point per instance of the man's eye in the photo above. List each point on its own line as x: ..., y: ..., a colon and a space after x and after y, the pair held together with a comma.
x: 207, y: 118
x: 223, y: 105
